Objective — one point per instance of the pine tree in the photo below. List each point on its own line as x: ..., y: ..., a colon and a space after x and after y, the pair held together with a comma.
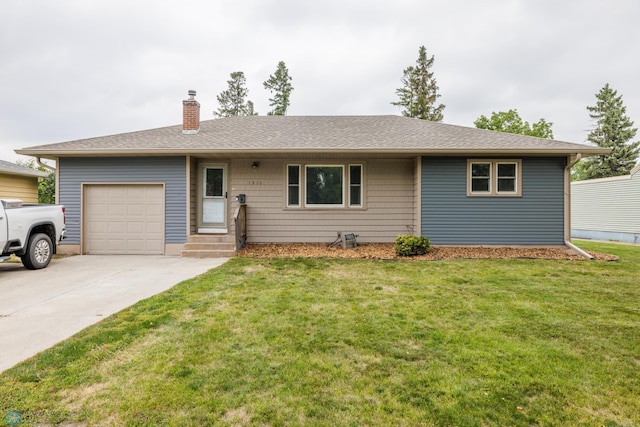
x: 250, y: 111
x: 233, y: 100
x: 419, y: 92
x: 279, y: 83
x: 613, y: 129
x: 511, y: 122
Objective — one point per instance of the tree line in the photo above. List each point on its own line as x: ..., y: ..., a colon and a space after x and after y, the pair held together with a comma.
x: 612, y: 127
x: 418, y: 98
x: 233, y: 100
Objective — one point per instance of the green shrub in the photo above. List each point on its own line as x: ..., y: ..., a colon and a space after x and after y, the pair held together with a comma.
x: 408, y: 245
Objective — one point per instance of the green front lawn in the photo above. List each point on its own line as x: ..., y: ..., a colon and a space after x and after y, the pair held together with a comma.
x: 344, y: 342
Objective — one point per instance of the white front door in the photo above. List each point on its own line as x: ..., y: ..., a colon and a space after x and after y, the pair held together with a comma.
x: 213, y: 210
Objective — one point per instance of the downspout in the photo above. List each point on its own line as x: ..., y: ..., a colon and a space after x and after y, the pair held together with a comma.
x: 567, y: 204
x: 54, y: 170
x: 44, y: 165
x: 417, y: 219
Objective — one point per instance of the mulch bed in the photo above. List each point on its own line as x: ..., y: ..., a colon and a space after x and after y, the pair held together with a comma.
x: 387, y: 251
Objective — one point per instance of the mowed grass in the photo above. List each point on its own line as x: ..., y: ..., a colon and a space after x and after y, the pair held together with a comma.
x: 344, y: 342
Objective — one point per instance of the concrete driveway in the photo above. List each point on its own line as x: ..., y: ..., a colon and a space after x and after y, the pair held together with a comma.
x: 42, y: 307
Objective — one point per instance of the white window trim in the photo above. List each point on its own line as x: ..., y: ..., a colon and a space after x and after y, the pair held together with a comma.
x: 516, y: 178
x: 361, y: 185
x: 493, y: 179
x: 325, y: 206
x: 470, y: 180
x: 287, y: 186
x: 346, y: 186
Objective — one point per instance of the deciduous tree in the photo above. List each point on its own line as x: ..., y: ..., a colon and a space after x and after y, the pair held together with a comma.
x: 46, y: 185
x: 511, y: 122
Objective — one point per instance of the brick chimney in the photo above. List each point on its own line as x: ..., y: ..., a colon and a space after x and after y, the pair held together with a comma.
x: 190, y: 114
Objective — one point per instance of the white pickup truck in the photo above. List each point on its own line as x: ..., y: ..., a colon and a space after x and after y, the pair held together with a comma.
x: 31, y: 232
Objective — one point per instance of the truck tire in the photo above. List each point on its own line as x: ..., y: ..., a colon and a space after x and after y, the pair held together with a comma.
x: 39, y: 252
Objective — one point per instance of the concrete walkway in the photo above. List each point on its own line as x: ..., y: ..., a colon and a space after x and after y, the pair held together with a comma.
x: 43, y: 307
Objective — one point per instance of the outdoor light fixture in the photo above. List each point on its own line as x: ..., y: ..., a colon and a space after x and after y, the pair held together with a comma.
x: 255, y: 165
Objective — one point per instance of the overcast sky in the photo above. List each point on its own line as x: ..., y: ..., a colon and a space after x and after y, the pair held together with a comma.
x: 72, y: 69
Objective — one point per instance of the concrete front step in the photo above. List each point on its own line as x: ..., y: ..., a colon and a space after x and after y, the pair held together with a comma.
x: 210, y: 238
x: 199, y: 253
x: 209, y: 246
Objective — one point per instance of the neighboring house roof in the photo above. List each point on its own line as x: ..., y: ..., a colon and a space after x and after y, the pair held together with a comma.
x: 15, y: 169
x: 250, y: 135
x: 631, y: 174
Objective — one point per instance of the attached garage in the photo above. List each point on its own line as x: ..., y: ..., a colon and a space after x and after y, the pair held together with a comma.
x: 123, y: 219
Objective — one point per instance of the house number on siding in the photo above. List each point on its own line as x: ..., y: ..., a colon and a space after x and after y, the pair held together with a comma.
x: 255, y: 182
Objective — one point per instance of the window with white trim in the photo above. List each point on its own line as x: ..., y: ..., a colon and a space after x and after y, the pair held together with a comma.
x: 293, y: 185
x: 506, y: 177
x: 480, y: 177
x: 494, y: 177
x: 324, y: 186
x: 355, y: 185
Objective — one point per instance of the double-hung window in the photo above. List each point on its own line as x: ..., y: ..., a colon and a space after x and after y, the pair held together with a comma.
x: 494, y: 177
x: 293, y: 185
x: 355, y: 185
x: 324, y: 186
x: 480, y: 177
x: 506, y: 177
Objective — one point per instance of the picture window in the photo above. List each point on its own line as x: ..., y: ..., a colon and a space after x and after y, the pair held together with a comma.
x: 325, y: 186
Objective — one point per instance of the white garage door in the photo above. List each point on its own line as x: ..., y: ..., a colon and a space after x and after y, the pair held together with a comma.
x: 123, y: 219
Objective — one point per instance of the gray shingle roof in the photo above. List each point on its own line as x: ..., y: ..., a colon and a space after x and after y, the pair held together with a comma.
x: 344, y: 134
x: 14, y: 169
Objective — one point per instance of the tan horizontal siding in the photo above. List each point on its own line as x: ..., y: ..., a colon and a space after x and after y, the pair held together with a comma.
x: 193, y: 196
x: 19, y: 187
x: 611, y: 205
x: 389, y: 200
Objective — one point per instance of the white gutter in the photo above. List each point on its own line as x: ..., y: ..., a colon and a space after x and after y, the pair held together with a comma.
x: 567, y: 201
x: 98, y: 152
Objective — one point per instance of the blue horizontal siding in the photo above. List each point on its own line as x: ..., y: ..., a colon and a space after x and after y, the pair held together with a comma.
x: 450, y: 217
x: 168, y: 170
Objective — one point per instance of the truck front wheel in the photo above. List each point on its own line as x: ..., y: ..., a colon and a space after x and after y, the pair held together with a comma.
x: 39, y: 252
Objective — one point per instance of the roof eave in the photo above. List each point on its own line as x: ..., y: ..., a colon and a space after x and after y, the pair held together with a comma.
x: 52, y: 154
x: 24, y: 174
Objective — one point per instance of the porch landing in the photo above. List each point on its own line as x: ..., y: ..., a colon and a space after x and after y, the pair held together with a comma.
x: 209, y: 246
